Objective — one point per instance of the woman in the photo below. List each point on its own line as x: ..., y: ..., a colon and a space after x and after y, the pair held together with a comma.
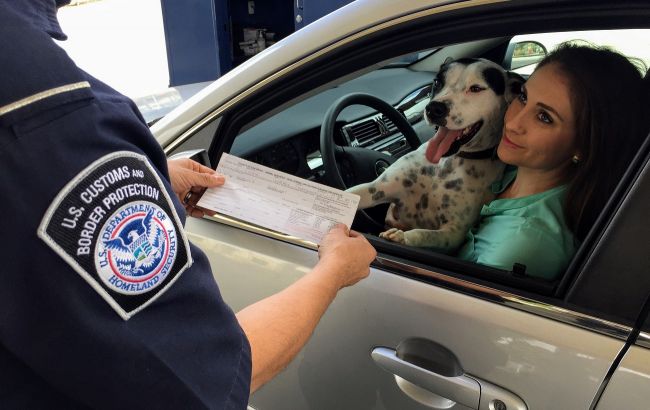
x: 571, y: 134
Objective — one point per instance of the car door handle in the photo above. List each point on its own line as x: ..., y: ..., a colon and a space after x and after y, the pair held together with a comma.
x: 463, y: 389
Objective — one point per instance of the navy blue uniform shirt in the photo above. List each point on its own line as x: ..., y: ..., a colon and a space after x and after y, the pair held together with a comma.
x: 103, y: 301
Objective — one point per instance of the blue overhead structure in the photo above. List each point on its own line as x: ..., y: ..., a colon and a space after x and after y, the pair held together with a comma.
x: 197, y: 39
x: 308, y: 11
x: 204, y: 37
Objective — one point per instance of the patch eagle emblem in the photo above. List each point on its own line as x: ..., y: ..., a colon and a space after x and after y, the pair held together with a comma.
x: 146, y: 243
x: 140, y: 249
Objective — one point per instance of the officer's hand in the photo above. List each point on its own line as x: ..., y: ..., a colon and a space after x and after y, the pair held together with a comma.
x: 189, y: 176
x: 346, y: 255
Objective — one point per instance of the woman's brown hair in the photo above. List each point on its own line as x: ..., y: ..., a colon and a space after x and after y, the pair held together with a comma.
x: 609, y: 99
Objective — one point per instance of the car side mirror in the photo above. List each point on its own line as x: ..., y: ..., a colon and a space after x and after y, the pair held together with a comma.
x: 526, y: 53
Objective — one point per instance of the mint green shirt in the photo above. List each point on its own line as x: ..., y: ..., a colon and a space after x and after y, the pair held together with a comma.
x: 530, y: 230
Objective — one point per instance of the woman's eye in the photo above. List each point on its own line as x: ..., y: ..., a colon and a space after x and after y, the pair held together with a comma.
x: 522, y: 97
x: 545, y: 118
x: 476, y: 89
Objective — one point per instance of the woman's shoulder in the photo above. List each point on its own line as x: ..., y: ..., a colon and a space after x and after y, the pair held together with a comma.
x: 548, y: 203
x: 520, y: 230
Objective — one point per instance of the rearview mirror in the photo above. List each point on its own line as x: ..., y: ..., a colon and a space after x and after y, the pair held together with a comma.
x: 526, y: 53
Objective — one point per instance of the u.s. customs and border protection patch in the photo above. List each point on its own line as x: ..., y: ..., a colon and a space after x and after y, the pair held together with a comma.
x: 116, y: 225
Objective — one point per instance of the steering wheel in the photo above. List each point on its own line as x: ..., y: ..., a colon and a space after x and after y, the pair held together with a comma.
x: 363, y: 164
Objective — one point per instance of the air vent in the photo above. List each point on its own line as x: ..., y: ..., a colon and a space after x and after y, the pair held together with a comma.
x: 389, y: 124
x: 364, y: 131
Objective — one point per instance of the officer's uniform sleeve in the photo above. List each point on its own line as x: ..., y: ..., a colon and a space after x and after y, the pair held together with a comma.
x: 103, y: 298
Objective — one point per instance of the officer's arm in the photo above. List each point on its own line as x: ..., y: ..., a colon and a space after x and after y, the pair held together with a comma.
x: 279, y: 326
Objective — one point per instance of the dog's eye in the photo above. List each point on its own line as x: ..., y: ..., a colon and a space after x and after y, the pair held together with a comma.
x: 476, y: 89
x: 437, y: 84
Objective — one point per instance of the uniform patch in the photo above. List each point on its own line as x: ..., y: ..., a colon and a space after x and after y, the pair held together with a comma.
x: 116, y: 225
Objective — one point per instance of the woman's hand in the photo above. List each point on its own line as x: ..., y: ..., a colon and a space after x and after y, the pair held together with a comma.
x: 189, y: 180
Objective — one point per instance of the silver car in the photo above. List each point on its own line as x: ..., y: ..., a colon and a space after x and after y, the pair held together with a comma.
x: 425, y: 330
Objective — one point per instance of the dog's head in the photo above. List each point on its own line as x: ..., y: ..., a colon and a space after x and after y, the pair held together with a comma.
x: 468, y: 100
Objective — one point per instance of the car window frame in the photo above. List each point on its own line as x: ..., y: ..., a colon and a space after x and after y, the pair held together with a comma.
x: 244, y: 111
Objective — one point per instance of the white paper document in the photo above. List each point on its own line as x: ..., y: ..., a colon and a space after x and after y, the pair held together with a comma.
x: 278, y: 201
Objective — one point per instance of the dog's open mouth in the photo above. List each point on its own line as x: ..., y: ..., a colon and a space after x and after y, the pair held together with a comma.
x: 447, y: 142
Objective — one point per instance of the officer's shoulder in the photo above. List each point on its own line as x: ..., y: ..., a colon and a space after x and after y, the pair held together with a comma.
x: 37, y: 75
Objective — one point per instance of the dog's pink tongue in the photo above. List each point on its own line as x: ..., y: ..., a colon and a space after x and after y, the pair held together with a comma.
x: 440, y: 143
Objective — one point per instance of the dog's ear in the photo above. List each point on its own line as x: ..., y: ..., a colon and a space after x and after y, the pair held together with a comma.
x: 513, y: 85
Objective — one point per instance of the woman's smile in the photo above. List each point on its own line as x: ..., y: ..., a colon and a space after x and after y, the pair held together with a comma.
x: 508, y: 142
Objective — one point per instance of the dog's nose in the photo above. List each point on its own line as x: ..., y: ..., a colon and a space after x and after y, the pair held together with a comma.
x: 437, y: 110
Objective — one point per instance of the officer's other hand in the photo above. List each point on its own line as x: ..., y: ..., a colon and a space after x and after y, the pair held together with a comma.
x: 189, y: 179
x: 346, y: 255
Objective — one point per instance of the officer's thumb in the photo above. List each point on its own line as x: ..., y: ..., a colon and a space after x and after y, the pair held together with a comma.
x: 209, y: 180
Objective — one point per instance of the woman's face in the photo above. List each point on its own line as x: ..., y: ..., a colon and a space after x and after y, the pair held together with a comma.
x: 539, y: 126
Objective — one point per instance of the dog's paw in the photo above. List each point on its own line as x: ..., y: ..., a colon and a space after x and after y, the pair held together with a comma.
x: 394, y: 235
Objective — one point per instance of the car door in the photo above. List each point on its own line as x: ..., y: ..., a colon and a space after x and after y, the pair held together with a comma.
x: 628, y: 386
x: 426, y: 331
x: 476, y: 344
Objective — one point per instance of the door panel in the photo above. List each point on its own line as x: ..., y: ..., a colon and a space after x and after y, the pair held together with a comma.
x: 548, y: 364
x: 628, y: 387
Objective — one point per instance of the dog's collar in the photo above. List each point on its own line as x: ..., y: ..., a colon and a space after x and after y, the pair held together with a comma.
x: 485, y: 154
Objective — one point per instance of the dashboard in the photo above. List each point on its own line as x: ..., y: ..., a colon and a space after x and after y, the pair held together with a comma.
x: 289, y: 141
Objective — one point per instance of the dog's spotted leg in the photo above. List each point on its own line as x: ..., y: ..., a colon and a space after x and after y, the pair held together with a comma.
x: 446, y: 239
x: 394, y: 235
x: 374, y: 193
x: 370, y: 195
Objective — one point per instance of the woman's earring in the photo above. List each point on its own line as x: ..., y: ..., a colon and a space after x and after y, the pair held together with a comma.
x: 575, y: 159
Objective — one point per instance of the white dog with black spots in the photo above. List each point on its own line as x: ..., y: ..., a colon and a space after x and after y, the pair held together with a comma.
x: 436, y: 192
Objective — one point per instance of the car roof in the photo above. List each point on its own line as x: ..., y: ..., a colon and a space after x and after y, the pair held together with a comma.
x: 344, y: 22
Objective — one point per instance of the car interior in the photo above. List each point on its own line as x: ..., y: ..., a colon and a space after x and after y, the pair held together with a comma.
x: 290, y: 140
x: 282, y: 130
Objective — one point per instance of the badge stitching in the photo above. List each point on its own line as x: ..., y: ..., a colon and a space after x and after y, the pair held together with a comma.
x: 89, y: 278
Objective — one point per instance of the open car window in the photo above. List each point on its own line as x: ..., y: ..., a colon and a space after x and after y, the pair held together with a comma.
x: 289, y: 140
